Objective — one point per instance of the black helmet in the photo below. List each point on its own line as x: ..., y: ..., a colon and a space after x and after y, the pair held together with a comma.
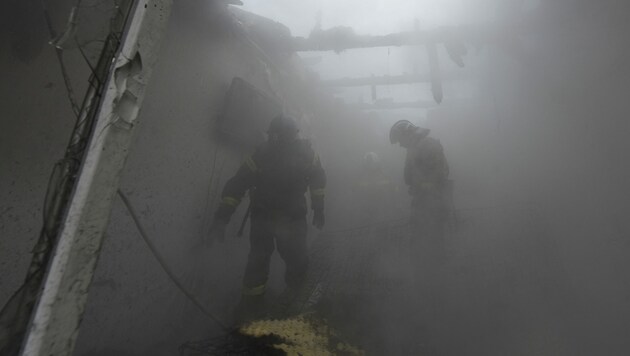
x: 404, y: 127
x: 282, y: 128
x: 400, y: 128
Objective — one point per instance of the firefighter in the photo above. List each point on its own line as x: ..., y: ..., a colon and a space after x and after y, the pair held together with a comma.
x: 426, y: 174
x: 277, y: 177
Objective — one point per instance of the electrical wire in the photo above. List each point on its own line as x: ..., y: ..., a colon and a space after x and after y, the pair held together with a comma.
x: 64, y: 72
x: 164, y: 265
x: 87, y: 61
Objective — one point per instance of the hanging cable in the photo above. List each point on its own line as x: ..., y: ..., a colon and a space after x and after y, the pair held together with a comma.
x: 89, y: 64
x: 165, y: 267
x: 59, y: 53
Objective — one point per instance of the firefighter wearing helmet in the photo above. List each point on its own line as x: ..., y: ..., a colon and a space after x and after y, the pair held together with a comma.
x: 426, y: 174
x: 277, y: 177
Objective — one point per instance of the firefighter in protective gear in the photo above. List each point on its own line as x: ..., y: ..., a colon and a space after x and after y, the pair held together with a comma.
x: 277, y: 177
x: 426, y: 174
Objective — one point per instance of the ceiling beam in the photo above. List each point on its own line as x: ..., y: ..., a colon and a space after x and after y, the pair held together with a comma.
x: 405, y: 78
x: 391, y: 105
x: 342, y: 38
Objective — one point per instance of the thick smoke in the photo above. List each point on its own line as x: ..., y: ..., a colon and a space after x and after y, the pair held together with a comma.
x: 534, y: 129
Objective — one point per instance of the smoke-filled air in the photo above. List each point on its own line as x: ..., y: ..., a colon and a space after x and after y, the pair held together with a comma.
x: 315, y: 177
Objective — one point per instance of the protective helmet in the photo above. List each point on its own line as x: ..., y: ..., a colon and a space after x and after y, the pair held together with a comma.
x: 282, y: 128
x: 401, y: 128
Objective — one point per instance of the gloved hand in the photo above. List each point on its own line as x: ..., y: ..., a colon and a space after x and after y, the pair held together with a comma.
x: 318, y: 219
x: 217, y: 232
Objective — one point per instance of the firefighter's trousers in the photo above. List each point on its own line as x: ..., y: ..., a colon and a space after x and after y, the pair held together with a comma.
x: 286, y: 233
x: 428, y: 247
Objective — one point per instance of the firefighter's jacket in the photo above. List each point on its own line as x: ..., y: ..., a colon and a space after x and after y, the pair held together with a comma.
x: 426, y: 168
x: 277, y: 179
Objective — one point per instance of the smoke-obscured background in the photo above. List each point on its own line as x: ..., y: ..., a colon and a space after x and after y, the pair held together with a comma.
x: 535, y: 129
